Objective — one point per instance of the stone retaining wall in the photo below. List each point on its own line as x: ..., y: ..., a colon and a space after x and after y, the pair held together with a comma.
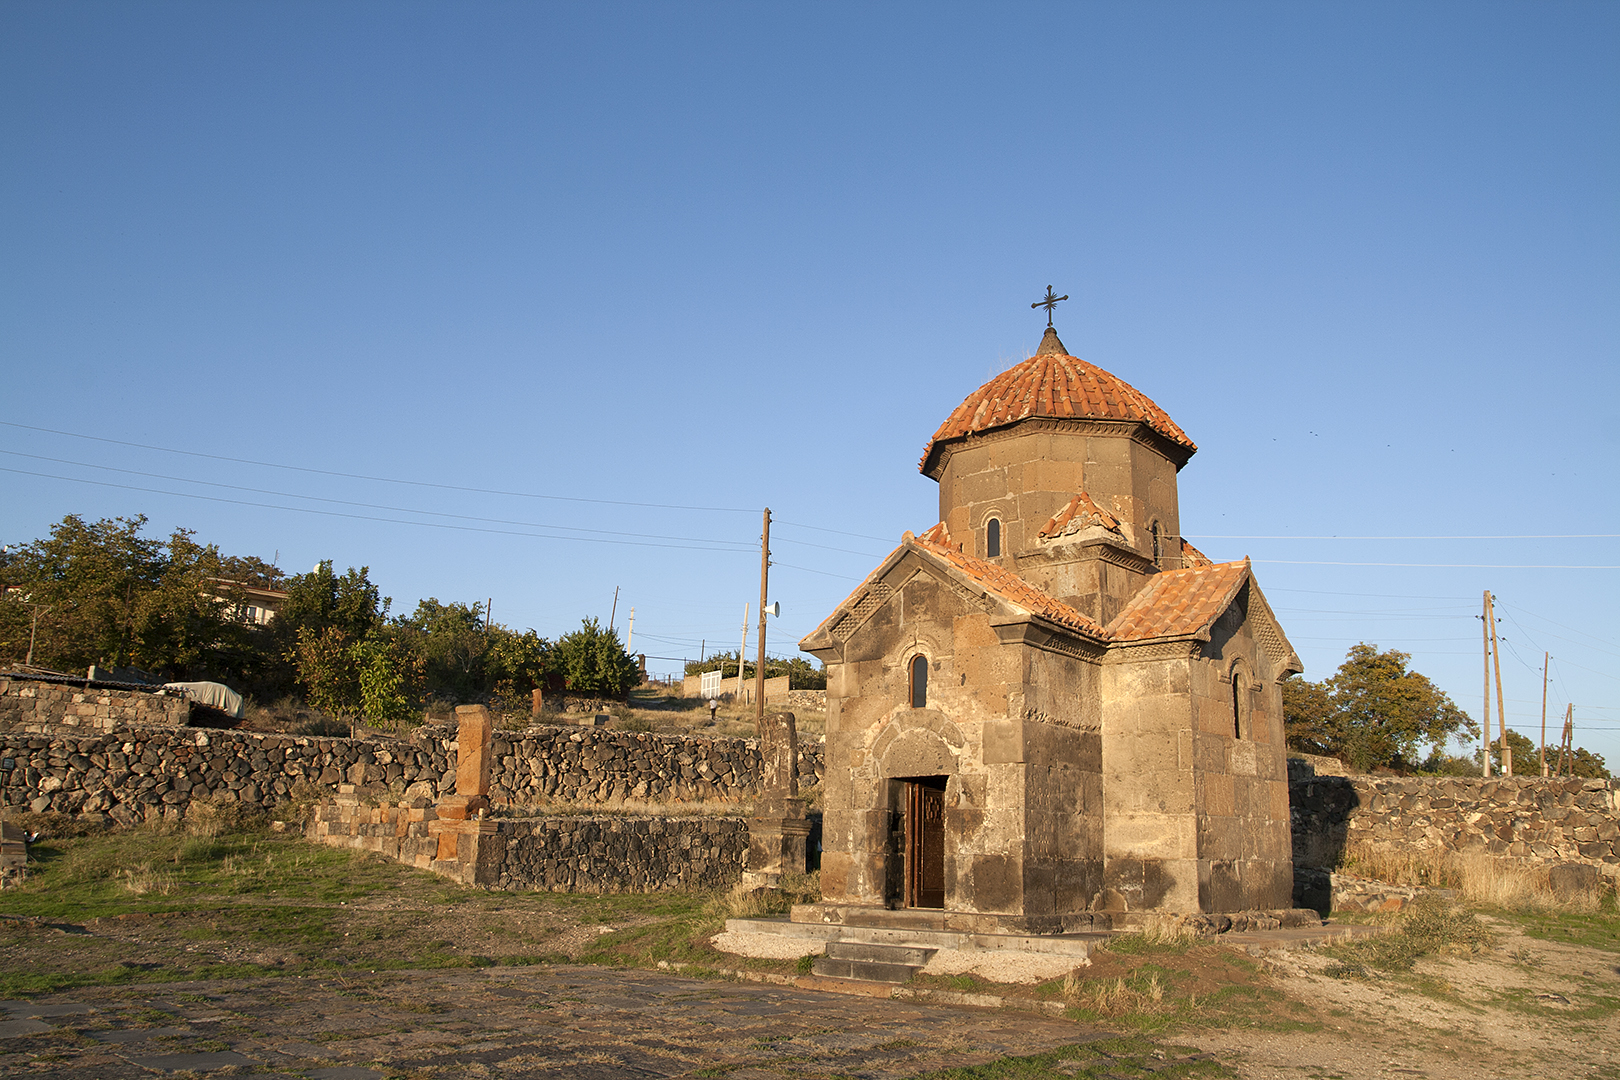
x: 136, y: 773
x: 1534, y: 819
x: 28, y: 705
x: 596, y: 854
x: 620, y: 854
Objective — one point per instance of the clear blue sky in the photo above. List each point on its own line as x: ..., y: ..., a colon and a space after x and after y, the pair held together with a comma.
x: 744, y: 255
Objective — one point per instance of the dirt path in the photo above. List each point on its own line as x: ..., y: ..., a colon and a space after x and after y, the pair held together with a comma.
x: 1527, y: 1009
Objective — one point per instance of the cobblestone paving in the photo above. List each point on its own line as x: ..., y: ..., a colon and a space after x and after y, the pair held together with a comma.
x: 577, y: 1022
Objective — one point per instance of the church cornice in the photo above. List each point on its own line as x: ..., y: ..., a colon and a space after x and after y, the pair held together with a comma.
x: 1101, y: 549
x: 1138, y: 431
x: 1033, y: 632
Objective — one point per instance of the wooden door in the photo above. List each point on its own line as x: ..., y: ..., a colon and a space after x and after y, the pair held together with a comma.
x: 925, y: 842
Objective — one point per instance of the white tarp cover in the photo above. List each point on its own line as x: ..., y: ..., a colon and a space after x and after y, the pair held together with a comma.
x: 216, y: 695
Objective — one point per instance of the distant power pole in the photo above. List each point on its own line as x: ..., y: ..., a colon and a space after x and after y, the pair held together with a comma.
x: 1485, y: 716
x: 615, y: 612
x: 631, y: 634
x: 759, y: 665
x: 742, y: 651
x: 1496, y: 662
x: 1546, y: 658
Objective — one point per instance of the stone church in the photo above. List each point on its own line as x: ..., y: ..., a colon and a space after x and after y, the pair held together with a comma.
x: 1049, y: 705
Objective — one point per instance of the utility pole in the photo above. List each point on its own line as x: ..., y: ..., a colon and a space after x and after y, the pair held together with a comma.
x: 742, y: 651
x: 759, y: 665
x: 32, y: 628
x: 489, y: 610
x: 1566, y: 749
x: 1485, y: 717
x: 615, y: 613
x: 631, y: 635
x: 1501, y: 711
x: 1546, y: 658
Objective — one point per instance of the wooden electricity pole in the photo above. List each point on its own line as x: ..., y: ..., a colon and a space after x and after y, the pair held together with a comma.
x: 1496, y: 662
x: 1485, y: 716
x: 1546, y: 658
x: 1566, y: 751
x: 764, y: 584
x: 742, y: 653
x: 615, y: 612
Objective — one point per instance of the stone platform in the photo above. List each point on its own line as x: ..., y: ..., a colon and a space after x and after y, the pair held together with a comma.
x: 878, y: 946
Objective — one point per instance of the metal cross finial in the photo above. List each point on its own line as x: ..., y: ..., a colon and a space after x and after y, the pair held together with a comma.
x: 1049, y: 303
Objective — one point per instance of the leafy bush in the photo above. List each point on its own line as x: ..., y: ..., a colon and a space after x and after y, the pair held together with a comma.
x: 594, y: 662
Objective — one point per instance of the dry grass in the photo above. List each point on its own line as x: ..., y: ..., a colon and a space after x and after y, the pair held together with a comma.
x: 1479, y: 877
x: 1138, y: 995
x: 143, y: 880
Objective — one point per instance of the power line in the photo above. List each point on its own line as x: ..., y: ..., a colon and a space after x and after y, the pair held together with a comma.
x: 741, y: 545
x: 370, y: 517
x: 1434, y: 566
x: 1553, y: 536
x: 380, y: 479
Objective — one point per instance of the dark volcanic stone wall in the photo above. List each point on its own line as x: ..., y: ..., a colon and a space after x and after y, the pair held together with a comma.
x: 620, y: 854
x: 136, y: 773
x: 1536, y: 819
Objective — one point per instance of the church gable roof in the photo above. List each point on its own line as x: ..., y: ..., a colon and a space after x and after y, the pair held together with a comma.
x: 1006, y: 585
x: 936, y: 547
x: 1053, y: 384
x: 1081, y: 513
x: 1180, y: 603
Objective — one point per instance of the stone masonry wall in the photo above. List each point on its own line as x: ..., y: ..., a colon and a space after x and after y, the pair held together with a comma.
x: 557, y: 854
x: 33, y: 706
x: 620, y: 854
x: 136, y: 773
x: 1534, y: 819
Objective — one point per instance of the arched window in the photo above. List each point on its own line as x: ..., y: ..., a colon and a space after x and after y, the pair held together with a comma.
x: 1239, y: 719
x: 919, y: 682
x: 1158, y: 543
x: 992, y: 538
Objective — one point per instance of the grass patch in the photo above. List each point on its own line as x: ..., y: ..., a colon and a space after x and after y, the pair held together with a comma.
x: 1129, y: 1057
x: 1595, y: 929
x: 221, y: 900
x: 1430, y: 924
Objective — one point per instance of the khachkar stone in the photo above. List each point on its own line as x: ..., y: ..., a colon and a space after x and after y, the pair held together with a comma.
x: 467, y: 848
x: 778, y: 830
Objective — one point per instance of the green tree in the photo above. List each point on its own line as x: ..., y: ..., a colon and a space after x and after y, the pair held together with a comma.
x: 86, y: 582
x: 454, y: 642
x: 329, y: 672
x: 105, y: 594
x: 389, y: 677
x: 517, y: 664
x: 324, y: 616
x: 593, y: 661
x: 1372, y: 711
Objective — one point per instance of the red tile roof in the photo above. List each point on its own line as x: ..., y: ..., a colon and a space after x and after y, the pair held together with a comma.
x: 1008, y: 586
x: 1191, y: 556
x: 1178, y: 603
x: 1054, y: 385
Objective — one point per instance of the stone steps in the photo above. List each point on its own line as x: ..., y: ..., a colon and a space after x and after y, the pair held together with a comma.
x: 869, y: 962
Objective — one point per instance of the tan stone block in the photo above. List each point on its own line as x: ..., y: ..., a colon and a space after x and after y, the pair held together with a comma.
x: 474, y: 737
x: 1217, y: 795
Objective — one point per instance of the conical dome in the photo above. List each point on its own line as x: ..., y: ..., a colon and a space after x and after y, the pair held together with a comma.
x: 1051, y: 384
